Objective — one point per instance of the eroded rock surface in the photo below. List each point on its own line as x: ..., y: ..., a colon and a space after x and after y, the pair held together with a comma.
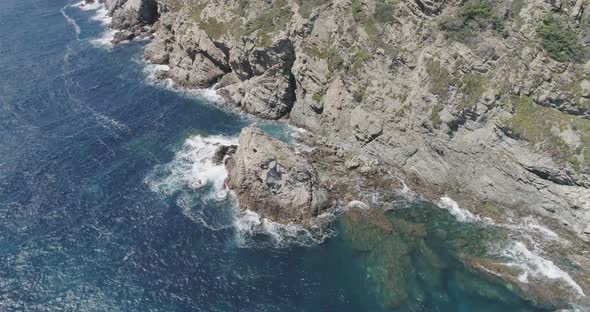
x: 269, y: 178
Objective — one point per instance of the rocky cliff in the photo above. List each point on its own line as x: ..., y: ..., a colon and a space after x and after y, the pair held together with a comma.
x: 485, y: 101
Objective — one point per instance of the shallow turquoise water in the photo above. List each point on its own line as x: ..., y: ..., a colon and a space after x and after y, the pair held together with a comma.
x: 91, y: 216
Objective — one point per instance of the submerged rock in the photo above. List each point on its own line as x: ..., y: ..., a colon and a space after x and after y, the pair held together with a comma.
x: 269, y: 178
x: 411, y: 261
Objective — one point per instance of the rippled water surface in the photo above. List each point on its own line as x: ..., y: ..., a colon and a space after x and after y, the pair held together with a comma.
x: 101, y: 204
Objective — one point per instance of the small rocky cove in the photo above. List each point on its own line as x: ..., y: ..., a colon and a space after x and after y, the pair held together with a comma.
x: 399, y: 113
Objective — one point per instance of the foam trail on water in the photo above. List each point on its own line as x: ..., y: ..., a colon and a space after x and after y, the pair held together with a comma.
x: 71, y: 21
x: 534, y: 265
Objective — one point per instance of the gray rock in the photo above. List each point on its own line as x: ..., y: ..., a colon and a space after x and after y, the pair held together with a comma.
x: 431, y: 7
x: 121, y: 36
x: 130, y: 13
x: 269, y: 178
x: 222, y: 152
x: 352, y: 163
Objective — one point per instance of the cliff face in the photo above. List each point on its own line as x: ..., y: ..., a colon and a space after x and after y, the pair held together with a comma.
x: 487, y: 101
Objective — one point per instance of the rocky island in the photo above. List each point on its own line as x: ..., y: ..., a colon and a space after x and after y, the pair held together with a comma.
x: 486, y: 102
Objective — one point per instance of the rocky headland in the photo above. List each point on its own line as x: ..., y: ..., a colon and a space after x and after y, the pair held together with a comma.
x: 487, y: 102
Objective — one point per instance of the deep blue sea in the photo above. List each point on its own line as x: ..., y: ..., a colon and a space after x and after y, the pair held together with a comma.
x: 98, y: 207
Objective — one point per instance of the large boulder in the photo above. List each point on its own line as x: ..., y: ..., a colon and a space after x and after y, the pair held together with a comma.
x: 269, y: 178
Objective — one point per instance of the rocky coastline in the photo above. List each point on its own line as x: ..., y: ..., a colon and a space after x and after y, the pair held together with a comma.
x: 449, y: 98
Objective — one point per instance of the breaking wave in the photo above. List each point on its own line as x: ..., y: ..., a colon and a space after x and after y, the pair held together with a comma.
x: 531, y: 263
x: 534, y: 265
x: 253, y: 231
x: 196, y: 185
x: 192, y: 168
x: 101, y: 14
x: 209, y: 94
x: 462, y: 215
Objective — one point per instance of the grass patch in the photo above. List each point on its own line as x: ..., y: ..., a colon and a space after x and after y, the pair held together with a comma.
x: 435, y: 116
x: 491, y: 209
x: 385, y: 11
x: 335, y: 61
x: 561, y: 42
x: 317, y: 97
x: 475, y: 16
x: 272, y: 20
x: 196, y: 11
x: 306, y: 7
x: 213, y: 28
x: 440, y: 78
x: 541, y: 126
x: 472, y: 87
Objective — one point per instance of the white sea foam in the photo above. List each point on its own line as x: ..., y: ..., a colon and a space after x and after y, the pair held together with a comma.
x: 82, y: 5
x: 453, y: 208
x: 249, y: 226
x: 105, y: 39
x: 357, y: 204
x: 152, y: 69
x: 71, y: 21
x: 101, y: 15
x: 534, y: 265
x: 192, y: 167
x: 209, y: 94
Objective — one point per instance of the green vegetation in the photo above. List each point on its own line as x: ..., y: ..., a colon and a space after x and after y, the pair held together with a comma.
x: 306, y: 7
x: 273, y: 19
x: 317, y: 97
x: 329, y: 54
x: 213, y: 28
x: 472, y: 87
x: 541, y: 126
x: 359, y: 94
x: 516, y: 7
x: 474, y: 17
x: 197, y: 9
x: 440, y: 78
x: 560, y: 42
x: 385, y: 10
x: 384, y: 13
x: 491, y: 209
x: 361, y: 56
x: 435, y: 116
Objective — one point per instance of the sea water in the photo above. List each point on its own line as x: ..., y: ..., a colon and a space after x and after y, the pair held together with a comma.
x: 109, y: 201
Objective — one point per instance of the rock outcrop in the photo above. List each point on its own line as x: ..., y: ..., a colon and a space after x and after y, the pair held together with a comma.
x: 485, y: 101
x: 464, y: 98
x: 269, y: 178
x: 130, y: 13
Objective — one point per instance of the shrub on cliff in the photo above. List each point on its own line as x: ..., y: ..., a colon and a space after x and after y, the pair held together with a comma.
x: 474, y: 16
x: 560, y: 42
